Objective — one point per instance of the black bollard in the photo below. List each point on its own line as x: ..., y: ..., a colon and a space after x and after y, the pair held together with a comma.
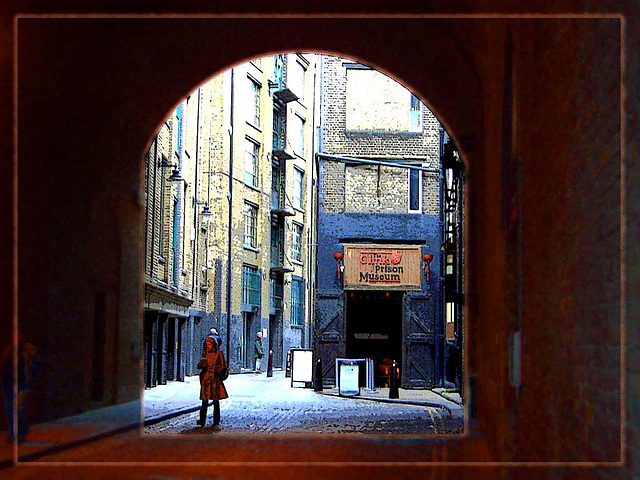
x: 270, y: 364
x: 317, y: 387
x: 393, y: 382
x: 287, y: 371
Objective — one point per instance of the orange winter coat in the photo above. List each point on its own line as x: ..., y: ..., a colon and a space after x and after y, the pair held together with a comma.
x: 213, y: 365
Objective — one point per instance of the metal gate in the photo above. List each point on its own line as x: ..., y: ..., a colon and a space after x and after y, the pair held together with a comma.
x: 418, y: 334
x: 330, y: 333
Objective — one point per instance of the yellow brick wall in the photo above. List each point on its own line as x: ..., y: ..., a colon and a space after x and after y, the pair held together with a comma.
x: 207, y: 143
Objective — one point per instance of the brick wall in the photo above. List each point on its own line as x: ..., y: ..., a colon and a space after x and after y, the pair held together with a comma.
x: 365, y: 114
x: 214, y: 154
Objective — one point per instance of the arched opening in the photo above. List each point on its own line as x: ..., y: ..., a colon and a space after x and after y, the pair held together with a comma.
x: 533, y: 169
x: 255, y: 185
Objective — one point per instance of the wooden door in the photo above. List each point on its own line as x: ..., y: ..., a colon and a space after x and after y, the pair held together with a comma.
x: 418, y: 332
x: 330, y: 335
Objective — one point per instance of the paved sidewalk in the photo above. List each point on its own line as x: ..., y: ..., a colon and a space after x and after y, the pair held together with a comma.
x: 427, y: 398
x: 167, y: 401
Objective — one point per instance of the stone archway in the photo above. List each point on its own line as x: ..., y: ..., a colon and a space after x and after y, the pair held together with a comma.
x: 92, y: 91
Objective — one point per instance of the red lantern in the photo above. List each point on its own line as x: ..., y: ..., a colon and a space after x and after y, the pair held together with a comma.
x: 427, y: 257
x: 338, y: 256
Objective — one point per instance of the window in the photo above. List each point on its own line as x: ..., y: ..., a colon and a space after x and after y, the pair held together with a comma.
x: 296, y: 78
x: 250, y: 225
x: 415, y: 117
x: 377, y: 103
x: 163, y: 185
x: 297, y: 301
x: 251, y: 156
x: 295, y: 132
x: 298, y: 182
x: 275, y: 185
x: 296, y: 244
x: 177, y: 131
x: 278, y: 129
x: 278, y: 67
x: 253, y: 114
x: 275, y: 245
x: 300, y: 134
x: 450, y: 323
x: 415, y: 190
x: 250, y: 286
x: 275, y: 292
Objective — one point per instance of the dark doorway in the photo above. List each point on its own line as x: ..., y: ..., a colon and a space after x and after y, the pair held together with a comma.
x: 249, y: 334
x: 162, y: 349
x: 275, y: 339
x: 172, y: 343
x: 150, y: 348
x: 374, y: 326
x: 181, y: 357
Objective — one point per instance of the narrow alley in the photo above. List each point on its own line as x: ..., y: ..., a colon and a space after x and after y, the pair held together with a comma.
x: 264, y: 405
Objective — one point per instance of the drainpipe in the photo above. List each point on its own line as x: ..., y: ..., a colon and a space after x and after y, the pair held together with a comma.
x: 310, y: 242
x: 230, y: 199
x: 316, y: 193
x: 195, y: 201
x: 178, y: 219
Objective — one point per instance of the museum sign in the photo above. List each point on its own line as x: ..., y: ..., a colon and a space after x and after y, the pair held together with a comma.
x: 382, y: 267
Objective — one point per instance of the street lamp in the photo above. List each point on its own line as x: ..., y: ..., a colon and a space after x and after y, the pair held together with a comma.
x: 427, y: 257
x: 206, y: 214
x: 340, y: 267
x: 175, y: 176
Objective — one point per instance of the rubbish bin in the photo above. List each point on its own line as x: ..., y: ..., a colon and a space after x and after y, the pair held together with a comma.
x: 349, y: 385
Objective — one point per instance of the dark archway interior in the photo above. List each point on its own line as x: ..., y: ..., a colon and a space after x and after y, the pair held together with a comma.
x: 547, y: 221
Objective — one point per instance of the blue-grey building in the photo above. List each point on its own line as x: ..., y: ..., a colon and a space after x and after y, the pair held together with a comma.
x: 379, y: 227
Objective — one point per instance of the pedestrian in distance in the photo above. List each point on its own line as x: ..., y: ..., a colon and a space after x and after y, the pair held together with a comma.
x: 212, y: 333
x: 214, y: 370
x: 259, y: 352
x: 29, y: 369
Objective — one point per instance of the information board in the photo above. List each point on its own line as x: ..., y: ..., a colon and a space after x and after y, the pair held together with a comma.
x: 301, y: 365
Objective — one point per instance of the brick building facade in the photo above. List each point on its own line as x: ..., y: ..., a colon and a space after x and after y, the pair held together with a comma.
x: 228, y: 187
x: 383, y: 209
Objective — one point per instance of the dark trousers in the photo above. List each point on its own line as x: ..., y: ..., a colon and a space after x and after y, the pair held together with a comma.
x: 216, y: 412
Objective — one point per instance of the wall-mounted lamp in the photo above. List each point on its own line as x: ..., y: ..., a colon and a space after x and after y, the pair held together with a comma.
x: 339, y: 266
x: 427, y: 257
x: 206, y: 213
x: 164, y: 162
x: 175, y: 176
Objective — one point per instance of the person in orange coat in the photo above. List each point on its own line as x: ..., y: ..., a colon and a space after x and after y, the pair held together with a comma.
x: 214, y: 366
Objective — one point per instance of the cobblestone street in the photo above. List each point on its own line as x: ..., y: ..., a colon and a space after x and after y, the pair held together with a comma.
x: 258, y: 404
